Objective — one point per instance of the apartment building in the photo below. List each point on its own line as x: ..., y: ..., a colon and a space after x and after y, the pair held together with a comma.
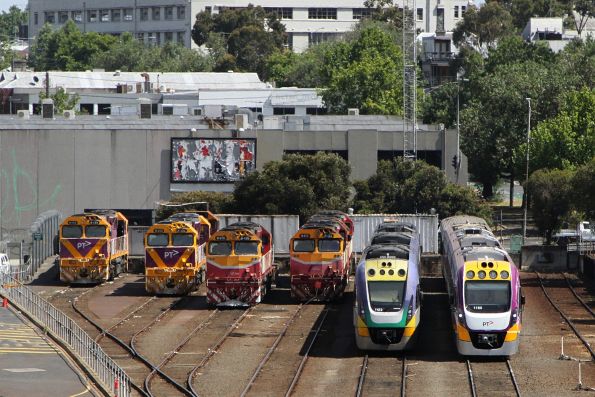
x: 160, y: 21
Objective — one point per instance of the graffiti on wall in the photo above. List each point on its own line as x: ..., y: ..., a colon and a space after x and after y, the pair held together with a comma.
x: 20, y: 193
x: 211, y: 160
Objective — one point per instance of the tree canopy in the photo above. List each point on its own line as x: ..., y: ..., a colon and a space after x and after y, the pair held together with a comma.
x: 10, y: 21
x: 247, y: 36
x: 483, y: 26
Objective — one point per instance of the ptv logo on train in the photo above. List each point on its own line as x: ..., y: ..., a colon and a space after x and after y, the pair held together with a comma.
x: 82, y: 244
x: 170, y: 254
x: 487, y: 323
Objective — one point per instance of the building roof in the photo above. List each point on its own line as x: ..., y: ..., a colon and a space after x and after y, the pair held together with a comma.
x: 109, y: 80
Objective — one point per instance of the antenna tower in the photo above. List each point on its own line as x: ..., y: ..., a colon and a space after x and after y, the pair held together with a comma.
x: 409, y: 81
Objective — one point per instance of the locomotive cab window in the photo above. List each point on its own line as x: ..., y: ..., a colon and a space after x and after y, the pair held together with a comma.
x: 220, y: 248
x: 182, y: 240
x: 157, y: 240
x: 329, y: 245
x: 72, y: 231
x: 95, y: 231
x: 303, y: 245
x: 246, y: 247
x: 487, y: 296
x: 386, y: 296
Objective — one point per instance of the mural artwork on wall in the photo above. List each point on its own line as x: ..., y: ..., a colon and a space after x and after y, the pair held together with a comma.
x: 200, y: 160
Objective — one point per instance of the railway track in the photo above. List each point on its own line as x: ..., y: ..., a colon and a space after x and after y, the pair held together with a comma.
x: 577, y: 314
x: 487, y: 378
x: 377, y: 376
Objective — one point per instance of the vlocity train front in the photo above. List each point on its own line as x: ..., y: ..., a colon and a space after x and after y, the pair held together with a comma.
x: 487, y: 316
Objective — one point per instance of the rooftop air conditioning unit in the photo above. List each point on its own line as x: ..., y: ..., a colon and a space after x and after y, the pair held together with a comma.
x: 69, y: 114
x: 353, y: 112
x: 47, y: 109
x: 23, y: 114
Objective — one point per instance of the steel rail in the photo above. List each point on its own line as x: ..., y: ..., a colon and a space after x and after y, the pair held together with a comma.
x: 131, y: 350
x: 111, y: 328
x: 213, y: 349
x: 273, y: 347
x: 577, y: 296
x: 362, y: 377
x: 404, y: 377
x: 570, y: 323
x: 471, y: 380
x: 517, y: 389
x: 175, y: 351
x: 305, y: 357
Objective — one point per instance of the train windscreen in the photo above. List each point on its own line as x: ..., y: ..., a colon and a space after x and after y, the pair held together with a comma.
x: 182, y: 240
x: 386, y: 296
x: 246, y: 247
x: 72, y: 231
x: 95, y: 231
x: 487, y: 296
x: 157, y: 240
x: 220, y: 248
x: 303, y: 245
x: 329, y: 245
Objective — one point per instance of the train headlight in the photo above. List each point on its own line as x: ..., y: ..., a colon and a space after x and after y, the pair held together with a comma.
x: 504, y: 274
x: 493, y: 274
x: 410, y: 311
x: 391, y: 272
x: 371, y: 272
x: 382, y: 272
x: 481, y: 274
x: 470, y: 274
x: 401, y: 272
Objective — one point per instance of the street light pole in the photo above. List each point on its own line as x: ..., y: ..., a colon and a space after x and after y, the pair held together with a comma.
x: 526, y: 201
x: 458, y: 131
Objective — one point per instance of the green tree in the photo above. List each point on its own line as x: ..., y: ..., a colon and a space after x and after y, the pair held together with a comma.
x: 583, y: 189
x: 365, y: 73
x: 251, y: 35
x: 298, y: 184
x: 484, y: 26
x: 550, y: 192
x: 62, y: 100
x: 462, y: 200
x: 582, y: 11
x: 10, y: 22
x: 568, y: 139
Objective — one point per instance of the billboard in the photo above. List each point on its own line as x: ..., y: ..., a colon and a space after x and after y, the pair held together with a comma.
x: 203, y: 160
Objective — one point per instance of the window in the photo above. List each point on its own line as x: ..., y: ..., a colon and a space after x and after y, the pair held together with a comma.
x: 36, y: 18
x: 169, y: 36
x: 157, y: 240
x: 329, y: 245
x: 182, y: 240
x: 420, y: 14
x: 440, y: 20
x: 105, y: 17
x: 316, y: 111
x: 246, y: 247
x: 77, y: 16
x: 322, y: 13
x: 50, y: 17
x: 156, y: 13
x: 320, y: 37
x: 487, y: 296
x: 181, y: 12
x: 280, y: 12
x: 92, y: 16
x: 62, y: 16
x: 303, y: 245
x: 72, y: 231
x: 208, y: 9
x: 220, y: 248
x: 463, y: 9
x: 361, y: 13
x: 282, y: 111
x: 456, y: 11
x: 140, y: 36
x: 116, y: 15
x: 386, y: 295
x: 128, y: 14
x: 180, y: 38
x: 95, y: 231
x: 169, y: 13
x: 144, y: 14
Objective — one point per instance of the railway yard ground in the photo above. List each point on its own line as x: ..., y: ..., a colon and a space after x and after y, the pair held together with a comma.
x: 172, y: 346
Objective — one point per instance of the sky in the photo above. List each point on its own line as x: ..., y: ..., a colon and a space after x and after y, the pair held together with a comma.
x: 6, y: 4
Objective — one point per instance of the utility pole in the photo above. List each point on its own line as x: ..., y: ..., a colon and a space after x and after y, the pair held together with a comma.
x: 409, y: 81
x: 47, y: 84
x: 525, y: 190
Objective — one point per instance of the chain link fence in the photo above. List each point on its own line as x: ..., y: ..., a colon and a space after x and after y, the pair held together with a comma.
x: 103, y: 369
